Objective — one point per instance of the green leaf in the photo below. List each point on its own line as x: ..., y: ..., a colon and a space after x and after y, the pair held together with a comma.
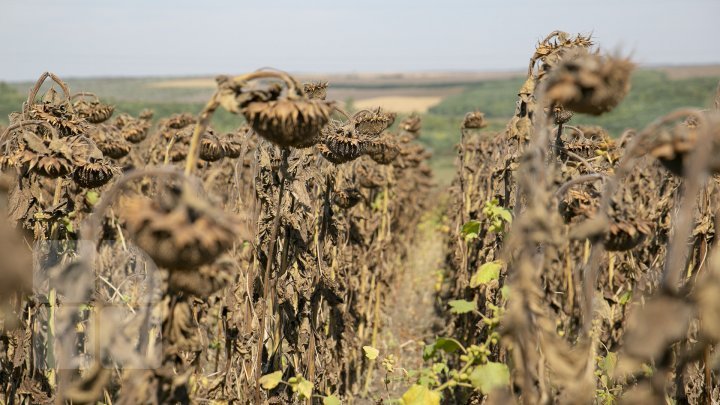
x: 505, y: 292
x: 625, y: 297
x: 419, y: 395
x: 371, y: 352
x: 439, y: 368
x: 305, y: 389
x: 331, y: 400
x: 472, y: 226
x: 449, y: 345
x: 486, y: 273
x: 462, y: 306
x: 489, y: 376
x: 92, y: 197
x: 505, y: 214
x: 608, y: 363
x: 429, y: 351
x: 270, y: 381
x: 428, y: 376
x: 497, y: 226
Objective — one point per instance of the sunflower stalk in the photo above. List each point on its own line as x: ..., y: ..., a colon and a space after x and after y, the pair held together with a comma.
x: 270, y: 258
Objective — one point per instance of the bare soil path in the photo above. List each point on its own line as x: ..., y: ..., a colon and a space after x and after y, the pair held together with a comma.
x: 410, y: 319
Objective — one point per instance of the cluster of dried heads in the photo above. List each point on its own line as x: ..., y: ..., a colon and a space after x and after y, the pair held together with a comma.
x: 609, y: 268
x: 126, y: 279
x: 272, y: 251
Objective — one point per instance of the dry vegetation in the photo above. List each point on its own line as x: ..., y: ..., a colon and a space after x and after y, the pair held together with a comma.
x: 165, y: 262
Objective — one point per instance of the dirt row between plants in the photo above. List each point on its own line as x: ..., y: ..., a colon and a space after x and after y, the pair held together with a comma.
x: 410, y: 319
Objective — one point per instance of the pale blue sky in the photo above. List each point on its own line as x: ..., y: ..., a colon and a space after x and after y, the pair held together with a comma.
x: 179, y: 37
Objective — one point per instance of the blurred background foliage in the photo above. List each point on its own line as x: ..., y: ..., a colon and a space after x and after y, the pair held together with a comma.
x: 653, y: 94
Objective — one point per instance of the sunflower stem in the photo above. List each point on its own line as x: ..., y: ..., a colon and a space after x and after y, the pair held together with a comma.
x: 285, y: 152
x: 292, y: 85
x: 38, y: 84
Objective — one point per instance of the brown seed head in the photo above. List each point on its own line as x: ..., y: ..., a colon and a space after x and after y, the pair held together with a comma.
x: 59, y: 113
x: 383, y: 150
x: 93, y: 111
x: 47, y: 157
x: 231, y: 148
x: 179, y: 121
x: 474, y: 120
x: 211, y: 148
x: 342, y: 143
x: 134, y: 130
x: 181, y: 231
x: 94, y: 174
x: 289, y: 122
x: 372, y: 123
x: 316, y: 90
x: 146, y: 114
x: 109, y: 140
x: 561, y: 115
x: 672, y: 145
x: 411, y: 124
x: 589, y: 83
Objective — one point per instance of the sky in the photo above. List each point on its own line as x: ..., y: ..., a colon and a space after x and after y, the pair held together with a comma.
x: 107, y: 38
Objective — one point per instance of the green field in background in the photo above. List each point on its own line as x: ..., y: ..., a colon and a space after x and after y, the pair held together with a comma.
x: 652, y: 95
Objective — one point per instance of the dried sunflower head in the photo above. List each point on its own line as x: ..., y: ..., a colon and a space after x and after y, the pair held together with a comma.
x: 411, y: 124
x: 52, y: 166
x: 581, y: 202
x: 551, y: 50
x: 411, y: 155
x: 179, y: 150
x: 179, y: 121
x: 329, y: 155
x: 561, y: 115
x: 115, y: 149
x: 58, y: 112
x: 179, y: 153
x: 47, y: 157
x: 146, y: 114
x: 135, y: 133
x: 287, y: 118
x: 590, y: 142
x: 589, y: 83
x: 231, y: 149
x: 109, y: 141
x: 672, y: 145
x: 383, y: 150
x: 342, y: 143
x: 232, y: 143
x: 133, y: 130
x: 82, y: 149
x: 474, y: 120
x: 372, y: 123
x: 316, y: 90
x: 93, y: 111
x: 289, y: 122
x: 181, y: 231
x: 211, y: 148
x: 94, y: 174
